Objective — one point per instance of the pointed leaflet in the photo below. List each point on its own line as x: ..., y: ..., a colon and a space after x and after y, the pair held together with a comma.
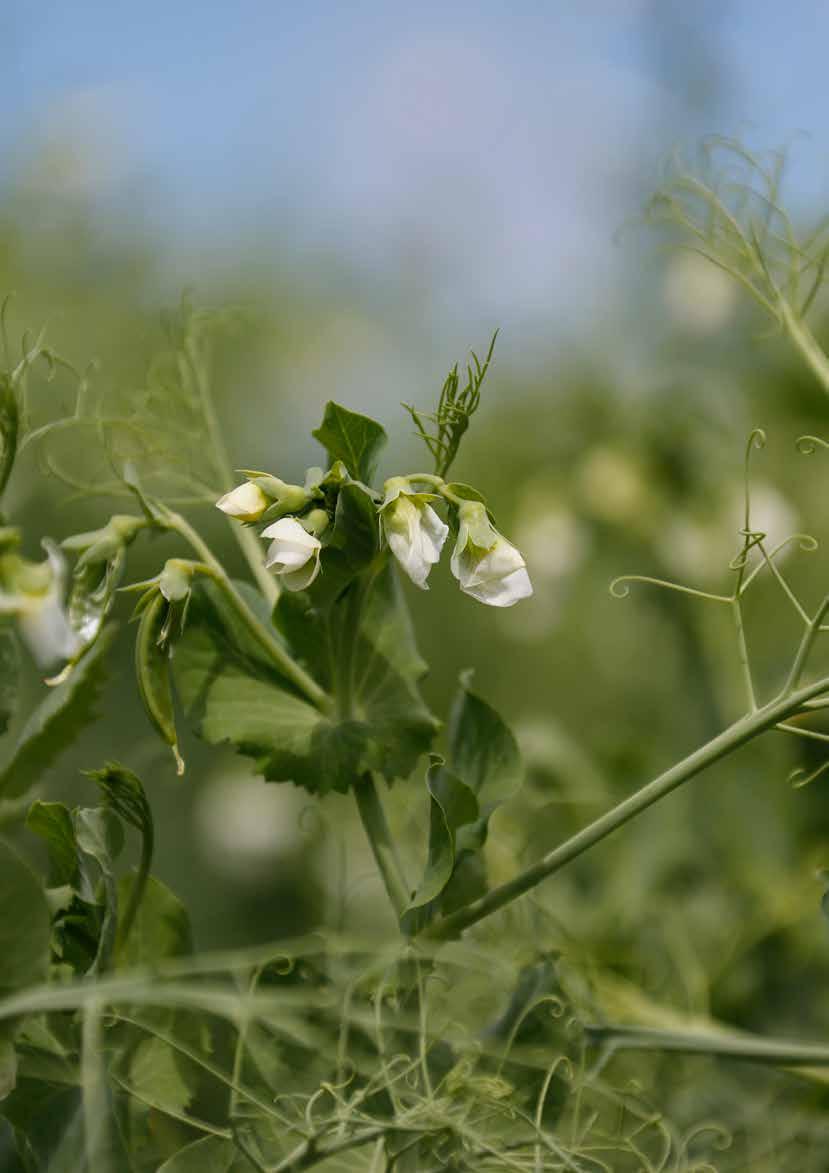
x: 484, y: 768
x: 57, y: 720
x: 354, y: 439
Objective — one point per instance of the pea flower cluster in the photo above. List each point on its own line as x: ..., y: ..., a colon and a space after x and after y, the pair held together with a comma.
x: 487, y: 566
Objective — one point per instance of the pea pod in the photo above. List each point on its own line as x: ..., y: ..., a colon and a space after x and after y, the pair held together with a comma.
x: 152, y: 669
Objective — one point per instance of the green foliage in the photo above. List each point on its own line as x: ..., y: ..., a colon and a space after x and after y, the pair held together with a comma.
x: 483, y: 770
x: 456, y: 407
x: 24, y: 924
x: 9, y: 676
x: 354, y: 439
x: 58, y: 720
x: 83, y: 845
x: 384, y: 727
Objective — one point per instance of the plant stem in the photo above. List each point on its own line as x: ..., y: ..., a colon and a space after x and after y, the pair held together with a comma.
x: 283, y: 661
x: 381, y: 842
x: 804, y: 340
x: 742, y: 731
x: 141, y: 877
x: 726, y: 1043
x: 247, y: 540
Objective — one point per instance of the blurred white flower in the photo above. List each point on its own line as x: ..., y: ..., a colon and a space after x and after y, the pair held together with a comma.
x: 293, y: 554
x: 487, y: 566
x: 701, y: 298
x: 413, y: 530
x: 612, y: 486
x: 34, y: 594
x: 553, y: 540
x: 246, y: 502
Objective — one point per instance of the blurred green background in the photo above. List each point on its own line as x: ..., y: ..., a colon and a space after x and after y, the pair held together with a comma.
x: 381, y: 189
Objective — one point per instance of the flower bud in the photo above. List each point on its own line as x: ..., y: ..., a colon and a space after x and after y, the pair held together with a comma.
x: 487, y: 566
x: 413, y: 530
x: 294, y: 554
x: 246, y: 502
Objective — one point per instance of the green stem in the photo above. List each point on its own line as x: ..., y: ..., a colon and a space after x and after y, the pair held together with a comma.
x: 247, y: 539
x: 381, y: 842
x: 725, y: 1043
x: 281, y: 659
x: 213, y: 569
x: 742, y: 731
x: 141, y: 878
x: 804, y: 340
x: 806, y: 643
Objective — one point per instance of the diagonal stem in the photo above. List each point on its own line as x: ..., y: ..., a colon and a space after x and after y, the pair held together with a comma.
x: 746, y: 729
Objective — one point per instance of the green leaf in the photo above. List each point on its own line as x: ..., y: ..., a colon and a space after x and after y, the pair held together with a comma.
x: 8, y: 1067
x: 451, y: 805
x: 58, y: 720
x: 99, y: 834
x: 24, y: 924
x: 482, y: 748
x: 354, y: 439
x: 234, y: 701
x: 52, y: 821
x: 212, y: 1154
x: 484, y: 762
x: 161, y: 928
x: 155, y: 1077
x: 353, y: 543
x: 9, y: 676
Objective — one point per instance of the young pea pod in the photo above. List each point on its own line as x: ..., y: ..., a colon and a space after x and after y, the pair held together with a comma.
x: 152, y: 668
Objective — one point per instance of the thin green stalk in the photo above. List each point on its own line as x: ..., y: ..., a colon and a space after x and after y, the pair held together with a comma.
x: 247, y: 540
x: 729, y: 1045
x: 368, y: 801
x: 283, y: 661
x: 803, y: 338
x: 381, y: 842
x: 141, y: 877
x: 809, y: 637
x: 286, y: 664
x: 742, y: 731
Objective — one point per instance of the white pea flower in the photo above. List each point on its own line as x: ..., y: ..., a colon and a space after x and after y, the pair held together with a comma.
x: 413, y: 530
x: 246, y: 502
x: 293, y: 554
x: 487, y: 566
x: 34, y: 594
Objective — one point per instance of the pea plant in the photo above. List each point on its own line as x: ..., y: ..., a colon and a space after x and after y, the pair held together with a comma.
x: 123, y: 1049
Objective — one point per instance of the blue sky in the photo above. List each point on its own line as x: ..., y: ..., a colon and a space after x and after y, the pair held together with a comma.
x: 481, y: 154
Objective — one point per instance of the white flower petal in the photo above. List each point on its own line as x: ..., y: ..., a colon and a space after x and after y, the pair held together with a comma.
x: 502, y: 592
x: 246, y: 502
x: 47, y: 632
x: 300, y: 580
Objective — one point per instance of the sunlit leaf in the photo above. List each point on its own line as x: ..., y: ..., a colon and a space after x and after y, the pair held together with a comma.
x: 354, y: 439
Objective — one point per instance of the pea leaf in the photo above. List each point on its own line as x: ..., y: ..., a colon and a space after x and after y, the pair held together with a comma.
x: 9, y: 676
x: 483, y: 769
x: 452, y: 805
x: 211, y: 1154
x: 161, y: 928
x: 24, y: 924
x: 352, y: 544
x: 58, y: 720
x: 83, y: 845
x: 354, y: 439
x: 240, y: 702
